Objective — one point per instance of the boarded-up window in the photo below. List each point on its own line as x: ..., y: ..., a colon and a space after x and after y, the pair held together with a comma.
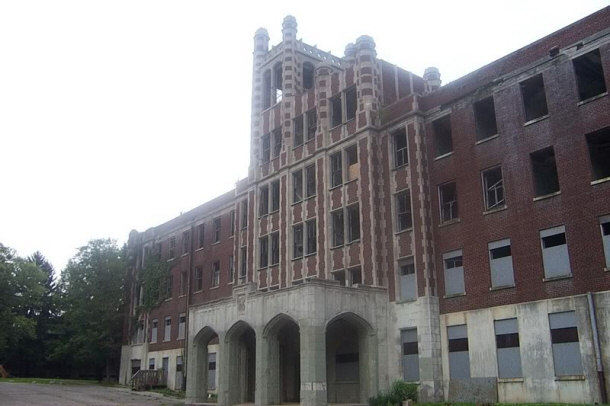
x: 566, y: 346
x: 508, y: 350
x: 454, y: 273
x: 555, y: 255
x: 410, y: 355
x: 459, y: 359
x: 406, y: 269
x: 501, y: 263
x: 212, y: 371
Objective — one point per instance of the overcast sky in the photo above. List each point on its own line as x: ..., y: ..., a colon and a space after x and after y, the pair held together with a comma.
x: 118, y: 115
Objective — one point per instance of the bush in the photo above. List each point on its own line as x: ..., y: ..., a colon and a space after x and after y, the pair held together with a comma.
x: 399, y: 391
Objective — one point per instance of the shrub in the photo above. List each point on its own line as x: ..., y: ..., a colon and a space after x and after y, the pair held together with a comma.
x: 398, y: 392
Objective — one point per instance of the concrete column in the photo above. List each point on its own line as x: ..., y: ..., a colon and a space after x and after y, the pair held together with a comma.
x: 226, y: 387
x: 196, y: 383
x: 261, y: 47
x: 313, y: 365
x: 264, y: 366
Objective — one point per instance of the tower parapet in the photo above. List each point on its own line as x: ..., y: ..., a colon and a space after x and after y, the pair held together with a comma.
x: 365, y: 70
x: 432, y: 79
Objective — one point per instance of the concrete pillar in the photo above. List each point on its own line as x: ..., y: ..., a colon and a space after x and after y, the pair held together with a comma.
x: 196, y: 383
x: 264, y: 367
x: 313, y: 364
x: 261, y: 47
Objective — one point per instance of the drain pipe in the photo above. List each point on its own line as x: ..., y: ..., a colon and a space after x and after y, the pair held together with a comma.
x: 598, y: 353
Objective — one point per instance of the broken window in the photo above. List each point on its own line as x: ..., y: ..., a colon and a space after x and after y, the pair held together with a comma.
x: 555, y: 257
x: 181, y: 326
x: 298, y: 131
x: 410, y: 355
x: 351, y: 103
x: 198, y: 278
x: 172, y: 247
x: 277, y: 142
x: 399, y: 139
x: 275, y: 195
x: 448, y: 202
x: 311, y: 241
x: 599, y: 153
x: 589, y: 75
x: 267, y: 89
x: 297, y: 241
x: 186, y: 242
x: 336, y: 112
x: 135, y: 366
x: 151, y: 363
x: 565, y: 343
x: 604, y: 224
x: 168, y: 329
x: 263, y: 207
x: 485, y: 118
x: 501, y: 263
x: 265, y: 148
x: 275, y: 248
x: 534, y: 98
x: 355, y: 275
x: 216, y: 273
x: 312, y: 124
x: 338, y: 227
x: 310, y: 178
x: 264, y: 252
x: 340, y: 277
x: 403, y: 211
x: 351, y: 158
x: 217, y: 229
x: 459, y: 359
x: 244, y: 263
x: 406, y: 269
x: 336, y: 169
x: 544, y: 172
x: 201, y: 235
x: 353, y: 223
x: 507, y: 348
x: 442, y: 135
x: 277, y: 82
x: 493, y: 186
x: 308, y: 75
x: 454, y: 273
x: 297, y: 186
x: 154, y: 331
x: 244, y: 214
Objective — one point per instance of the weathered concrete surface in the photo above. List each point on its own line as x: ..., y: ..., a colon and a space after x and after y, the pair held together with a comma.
x: 479, y: 390
x: 25, y: 394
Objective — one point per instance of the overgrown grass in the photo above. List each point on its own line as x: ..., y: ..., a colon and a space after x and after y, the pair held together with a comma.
x: 169, y: 392
x: 55, y: 381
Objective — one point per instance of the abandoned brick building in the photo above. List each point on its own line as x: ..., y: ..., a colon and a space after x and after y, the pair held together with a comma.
x: 389, y: 228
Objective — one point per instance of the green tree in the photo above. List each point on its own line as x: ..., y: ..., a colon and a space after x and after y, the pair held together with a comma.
x: 93, y: 292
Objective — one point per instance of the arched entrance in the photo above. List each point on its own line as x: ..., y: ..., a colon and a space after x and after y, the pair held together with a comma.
x: 348, y: 353
x: 284, y: 360
x: 203, y: 374
x: 241, y: 340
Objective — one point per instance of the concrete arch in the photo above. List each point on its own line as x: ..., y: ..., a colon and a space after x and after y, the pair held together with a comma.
x: 197, y: 382
x: 353, y: 318
x: 276, y: 323
x: 241, y: 352
x: 238, y: 328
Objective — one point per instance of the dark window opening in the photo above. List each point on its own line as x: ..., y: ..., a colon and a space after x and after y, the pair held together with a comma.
x: 485, y: 118
x: 244, y: 214
x: 355, y: 276
x: 403, y: 211
x: 310, y: 175
x: 500, y: 252
x: 186, y: 242
x: 244, y: 263
x: 275, y: 195
x: 216, y: 273
x: 399, y: 138
x: 589, y: 75
x: 554, y: 240
x: 232, y: 218
x: 534, y: 98
x: 275, y: 248
x: 340, y: 277
x: 198, y: 278
x: 353, y: 223
x: 201, y: 235
x: 277, y: 85
x: 263, y: 207
x: 448, y: 202
x: 267, y: 89
x: 311, y: 246
x: 217, y: 229
x: 172, y: 247
x: 351, y: 157
x: 297, y: 186
x: 298, y: 131
x: 265, y: 148
x: 264, y: 252
x: 442, y: 135
x: 336, y: 111
x: 297, y: 245
x: 312, y: 124
x: 599, y: 153
x: 493, y: 185
x: 351, y: 103
x: 338, y: 227
x: 458, y: 344
x: 544, y: 172
x: 277, y: 142
x: 336, y: 169
x: 308, y: 75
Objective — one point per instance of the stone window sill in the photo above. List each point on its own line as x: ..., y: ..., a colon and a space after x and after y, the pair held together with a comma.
x: 598, y: 181
x: 443, y: 156
x: 484, y: 140
x: 590, y: 99
x: 570, y: 378
x: 510, y: 380
x: 557, y: 278
x: 544, y: 197
x: 536, y: 120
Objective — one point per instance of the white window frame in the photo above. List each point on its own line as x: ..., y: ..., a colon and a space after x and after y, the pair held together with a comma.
x: 454, y: 274
x: 555, y: 259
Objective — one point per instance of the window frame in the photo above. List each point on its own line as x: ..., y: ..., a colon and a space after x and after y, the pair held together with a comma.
x: 455, y: 278
x: 400, y: 154
x: 487, y: 189
x: 400, y: 215
x: 453, y: 203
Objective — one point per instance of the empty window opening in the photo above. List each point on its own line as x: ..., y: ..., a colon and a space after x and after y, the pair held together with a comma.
x: 338, y: 227
x: 183, y: 283
x: 501, y: 263
x: 448, y: 202
x: 406, y: 269
x: 275, y: 248
x: 297, y: 241
x: 555, y: 257
x: 410, y: 355
x: 263, y: 207
x: 485, y: 118
x: 297, y: 186
x: 232, y: 220
x: 403, y: 211
x: 353, y: 223
x: 267, y: 89
x: 599, y: 153
x: 534, y: 98
x: 277, y: 82
x: 355, y: 276
x: 169, y: 285
x: 135, y: 366
x: 340, y: 276
x: 508, y: 349
x: 244, y: 263
x: 200, y: 235
x: 454, y: 273
x: 544, y: 171
x: 275, y: 195
x: 336, y: 169
x: 264, y: 251
x: 172, y: 247
x: 308, y: 75
x: 198, y: 278
x: 186, y: 242
x: 217, y: 229
x: 298, y: 131
x: 459, y: 359
x: 565, y: 343
x: 265, y: 148
x: 604, y: 224
x: 244, y: 214
x: 493, y: 185
x: 351, y: 158
x: 151, y: 363
x: 399, y: 138
x: 336, y: 111
x: 310, y: 175
x: 312, y: 124
x: 311, y: 241
x: 277, y: 143
x: 216, y: 273
x: 589, y: 75
x: 442, y: 136
x: 351, y: 103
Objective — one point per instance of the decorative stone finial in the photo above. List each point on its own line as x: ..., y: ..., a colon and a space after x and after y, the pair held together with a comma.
x: 432, y: 77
